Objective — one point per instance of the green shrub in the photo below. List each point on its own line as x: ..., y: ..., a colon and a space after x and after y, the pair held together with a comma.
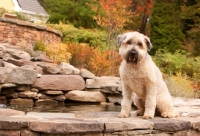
x: 39, y: 46
x: 178, y: 62
x: 94, y: 38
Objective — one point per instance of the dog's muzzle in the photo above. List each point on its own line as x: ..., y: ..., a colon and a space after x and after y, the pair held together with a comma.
x: 132, y: 56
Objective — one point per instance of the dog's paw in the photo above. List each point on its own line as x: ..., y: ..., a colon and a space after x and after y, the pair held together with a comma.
x: 123, y: 115
x: 147, y: 116
x: 140, y: 113
x: 169, y: 114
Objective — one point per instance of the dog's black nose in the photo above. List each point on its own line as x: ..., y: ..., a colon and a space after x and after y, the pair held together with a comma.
x: 133, y: 52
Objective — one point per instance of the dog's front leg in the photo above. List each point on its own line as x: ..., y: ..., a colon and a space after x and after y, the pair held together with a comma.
x: 126, y: 102
x: 150, y: 101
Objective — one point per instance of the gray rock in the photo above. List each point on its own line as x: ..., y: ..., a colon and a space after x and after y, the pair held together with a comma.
x: 52, y: 115
x: 60, y: 98
x: 27, y: 94
x: 38, y: 69
x: 34, y: 90
x: 67, y: 69
x: 125, y: 124
x: 22, y: 102
x: 10, y: 133
x: 8, y: 65
x: 71, y: 126
x: 2, y: 51
x: 8, y: 85
x: 39, y: 56
x: 13, y: 123
x: 49, y: 68
x: 59, y: 82
x: 18, y: 54
x: 42, y: 102
x: 196, y: 126
x: 119, y: 88
x: 53, y: 92
x: 97, y: 82
x: 87, y: 74
x: 110, y: 89
x: 10, y: 112
x: 15, y: 62
x: 85, y: 96
x: 23, y: 87
x: 21, y: 76
x: 116, y: 99
x: 4, y: 73
x: 29, y: 133
x: 170, y: 125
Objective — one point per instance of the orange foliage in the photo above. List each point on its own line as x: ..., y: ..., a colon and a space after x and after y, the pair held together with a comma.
x: 116, y: 13
x: 145, y: 7
x: 83, y: 56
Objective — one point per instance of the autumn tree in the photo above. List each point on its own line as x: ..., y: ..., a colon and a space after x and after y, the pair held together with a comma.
x: 113, y: 14
x: 144, y: 7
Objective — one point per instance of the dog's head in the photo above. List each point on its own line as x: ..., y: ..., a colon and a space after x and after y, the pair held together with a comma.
x: 133, y: 46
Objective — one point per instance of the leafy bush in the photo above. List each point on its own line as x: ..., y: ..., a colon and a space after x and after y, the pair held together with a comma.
x: 83, y: 56
x: 180, y: 85
x: 39, y: 46
x: 178, y: 63
x: 58, y: 52
x: 71, y: 34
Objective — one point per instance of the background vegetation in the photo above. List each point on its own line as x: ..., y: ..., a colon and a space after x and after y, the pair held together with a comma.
x: 90, y: 28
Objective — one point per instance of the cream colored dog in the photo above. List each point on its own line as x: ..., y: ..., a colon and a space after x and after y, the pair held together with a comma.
x: 141, y: 76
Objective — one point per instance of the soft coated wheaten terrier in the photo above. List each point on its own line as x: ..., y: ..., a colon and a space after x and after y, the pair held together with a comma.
x: 141, y: 76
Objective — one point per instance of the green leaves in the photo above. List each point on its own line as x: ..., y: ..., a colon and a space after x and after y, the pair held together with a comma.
x: 69, y: 11
x: 165, y: 27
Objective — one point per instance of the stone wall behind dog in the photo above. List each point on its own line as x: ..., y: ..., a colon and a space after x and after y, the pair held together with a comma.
x: 25, y: 34
x: 30, y: 78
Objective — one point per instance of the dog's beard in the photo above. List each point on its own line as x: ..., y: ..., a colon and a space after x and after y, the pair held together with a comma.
x: 132, y: 57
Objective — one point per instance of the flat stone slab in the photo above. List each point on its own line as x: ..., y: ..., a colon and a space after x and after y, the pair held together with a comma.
x: 171, y: 125
x: 59, y: 82
x: 124, y: 124
x: 51, y: 115
x: 97, y: 82
x: 85, y: 96
x: 10, y: 112
x: 11, y: 123
x: 66, y: 126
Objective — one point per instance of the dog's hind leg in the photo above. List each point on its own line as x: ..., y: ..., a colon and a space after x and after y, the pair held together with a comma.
x: 126, y: 102
x: 139, y: 103
x: 165, y: 107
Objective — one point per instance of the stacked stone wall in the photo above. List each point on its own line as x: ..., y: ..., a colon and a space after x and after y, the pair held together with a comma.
x: 25, y: 34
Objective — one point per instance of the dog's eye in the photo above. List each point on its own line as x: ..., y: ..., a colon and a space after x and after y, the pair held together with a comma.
x: 128, y: 42
x: 140, y: 44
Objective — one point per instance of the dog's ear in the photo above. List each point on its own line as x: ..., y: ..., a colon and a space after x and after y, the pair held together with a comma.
x: 120, y: 39
x: 148, y: 43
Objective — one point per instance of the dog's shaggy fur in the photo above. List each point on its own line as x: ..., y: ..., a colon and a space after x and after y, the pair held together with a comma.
x: 141, y: 76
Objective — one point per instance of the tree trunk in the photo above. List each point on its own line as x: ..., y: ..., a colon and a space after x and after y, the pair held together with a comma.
x: 143, y: 24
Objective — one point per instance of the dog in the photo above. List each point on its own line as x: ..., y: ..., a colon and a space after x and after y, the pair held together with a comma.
x: 140, y: 75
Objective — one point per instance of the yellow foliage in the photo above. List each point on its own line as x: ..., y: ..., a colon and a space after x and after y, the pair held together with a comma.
x: 58, y: 52
x: 180, y: 86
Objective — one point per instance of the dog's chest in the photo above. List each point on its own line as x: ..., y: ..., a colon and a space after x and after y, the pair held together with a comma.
x: 136, y: 80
